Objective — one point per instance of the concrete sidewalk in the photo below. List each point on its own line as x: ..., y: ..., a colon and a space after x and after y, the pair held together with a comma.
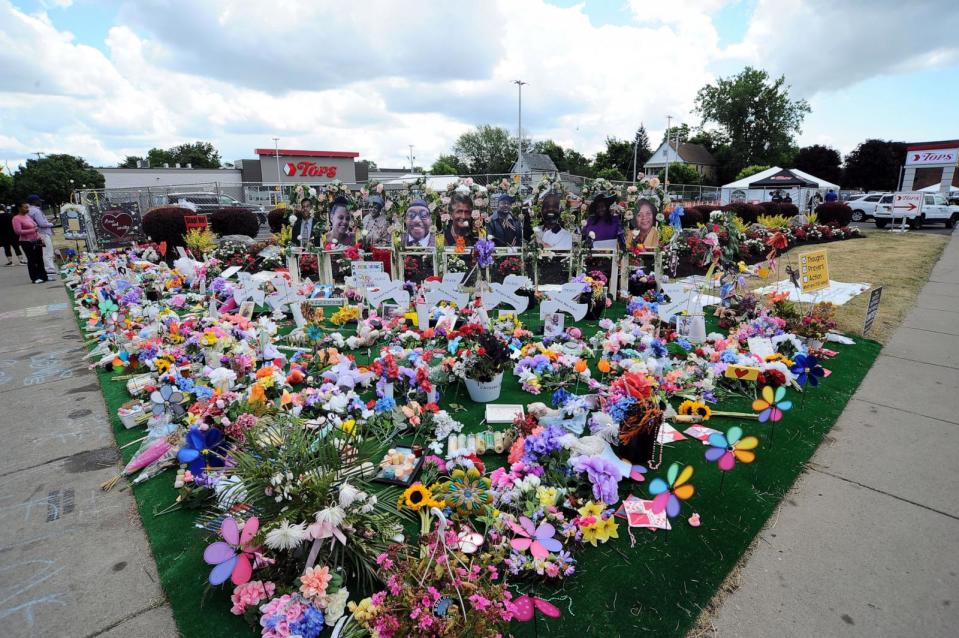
x: 74, y: 560
x: 867, y: 542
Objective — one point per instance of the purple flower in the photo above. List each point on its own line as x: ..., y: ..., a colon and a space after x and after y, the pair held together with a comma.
x: 483, y: 251
x: 603, y: 474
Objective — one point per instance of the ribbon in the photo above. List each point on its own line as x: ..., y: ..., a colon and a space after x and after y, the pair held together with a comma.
x: 675, y: 217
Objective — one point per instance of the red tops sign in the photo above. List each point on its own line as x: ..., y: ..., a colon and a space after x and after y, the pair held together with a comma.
x: 306, y: 168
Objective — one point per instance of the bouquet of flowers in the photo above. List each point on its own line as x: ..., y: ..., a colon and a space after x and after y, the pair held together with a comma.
x: 477, y: 353
x: 820, y: 319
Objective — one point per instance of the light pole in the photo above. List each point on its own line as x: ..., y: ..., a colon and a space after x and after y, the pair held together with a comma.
x: 635, y: 148
x: 279, y: 177
x: 519, y: 85
x: 412, y: 157
x: 669, y: 119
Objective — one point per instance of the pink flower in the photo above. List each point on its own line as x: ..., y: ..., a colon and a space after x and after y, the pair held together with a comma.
x: 480, y: 602
x: 314, y: 581
x: 250, y: 593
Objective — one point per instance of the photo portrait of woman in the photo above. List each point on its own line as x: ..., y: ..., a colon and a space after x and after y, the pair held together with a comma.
x: 645, y: 232
x: 340, y: 230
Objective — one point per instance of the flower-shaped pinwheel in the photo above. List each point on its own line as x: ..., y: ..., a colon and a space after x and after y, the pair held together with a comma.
x: 668, y: 494
x: 726, y: 449
x: 107, y: 307
x: 168, y: 399
x: 538, y: 540
x: 771, y: 406
x: 468, y: 492
x: 807, y: 369
x: 232, y: 557
x: 202, y: 450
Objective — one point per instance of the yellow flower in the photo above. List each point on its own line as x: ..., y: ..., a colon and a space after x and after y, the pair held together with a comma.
x: 686, y: 407
x: 610, y: 527
x: 547, y: 496
x: 348, y: 425
x: 416, y: 497
x: 592, y: 508
x: 589, y: 535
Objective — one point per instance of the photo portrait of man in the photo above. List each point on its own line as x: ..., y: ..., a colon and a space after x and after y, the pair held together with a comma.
x: 505, y: 228
x: 552, y: 235
x: 340, y: 230
x: 417, y: 226
x: 303, y: 228
x: 375, y: 224
x: 461, y: 213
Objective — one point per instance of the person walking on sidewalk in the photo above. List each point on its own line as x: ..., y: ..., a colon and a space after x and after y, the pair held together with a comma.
x: 30, y: 241
x: 45, y: 228
x: 8, y: 238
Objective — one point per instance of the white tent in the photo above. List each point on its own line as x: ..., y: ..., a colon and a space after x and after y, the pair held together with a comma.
x: 934, y: 188
x: 436, y: 182
x: 740, y: 190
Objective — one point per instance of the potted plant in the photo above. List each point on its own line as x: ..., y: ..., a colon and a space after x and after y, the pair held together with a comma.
x: 480, y: 362
x: 814, y: 325
x: 594, y: 293
x: 641, y: 282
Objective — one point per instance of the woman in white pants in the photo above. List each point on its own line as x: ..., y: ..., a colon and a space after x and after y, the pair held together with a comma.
x: 46, y: 233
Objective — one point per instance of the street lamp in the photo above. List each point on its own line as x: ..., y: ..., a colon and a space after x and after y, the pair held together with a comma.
x: 279, y: 177
x: 519, y: 85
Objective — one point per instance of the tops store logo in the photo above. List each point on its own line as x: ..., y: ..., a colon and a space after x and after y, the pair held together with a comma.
x: 941, y: 157
x: 308, y: 169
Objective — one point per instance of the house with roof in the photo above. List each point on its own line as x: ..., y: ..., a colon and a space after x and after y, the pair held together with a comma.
x: 534, y: 163
x: 693, y: 155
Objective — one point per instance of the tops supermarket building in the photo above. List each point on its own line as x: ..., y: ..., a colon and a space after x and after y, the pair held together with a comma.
x: 254, y: 181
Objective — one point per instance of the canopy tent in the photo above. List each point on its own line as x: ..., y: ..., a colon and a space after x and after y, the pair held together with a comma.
x: 934, y: 188
x: 800, y: 186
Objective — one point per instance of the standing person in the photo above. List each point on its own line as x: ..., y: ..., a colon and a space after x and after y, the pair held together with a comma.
x: 45, y: 228
x: 8, y: 238
x: 461, y: 212
x: 831, y: 196
x: 27, y: 231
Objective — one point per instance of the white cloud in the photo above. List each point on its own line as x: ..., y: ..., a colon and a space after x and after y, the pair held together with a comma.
x: 824, y: 45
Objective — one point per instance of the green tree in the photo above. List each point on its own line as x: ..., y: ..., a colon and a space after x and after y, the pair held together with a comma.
x: 820, y: 161
x: 680, y: 173
x: 579, y: 164
x: 54, y: 178
x: 612, y: 174
x: 6, y: 188
x: 642, y: 149
x: 487, y: 149
x: 555, y: 152
x: 446, y: 165
x: 678, y: 133
x: 618, y: 156
x: 874, y: 165
x: 756, y: 115
x: 197, y: 154
x: 746, y: 171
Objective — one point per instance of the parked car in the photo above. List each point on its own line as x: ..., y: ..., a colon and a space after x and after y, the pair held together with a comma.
x: 206, y: 202
x: 864, y: 206
x: 917, y: 209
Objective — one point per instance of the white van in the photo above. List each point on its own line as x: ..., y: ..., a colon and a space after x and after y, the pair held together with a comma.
x: 916, y: 208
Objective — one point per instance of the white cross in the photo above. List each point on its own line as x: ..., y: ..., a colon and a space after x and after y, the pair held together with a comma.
x: 506, y: 293
x: 564, y: 300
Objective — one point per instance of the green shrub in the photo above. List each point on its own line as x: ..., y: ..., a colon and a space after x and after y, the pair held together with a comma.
x: 834, y: 214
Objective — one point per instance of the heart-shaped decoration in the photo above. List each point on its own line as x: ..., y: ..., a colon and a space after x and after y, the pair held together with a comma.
x: 740, y: 372
x: 694, y: 520
x: 117, y: 222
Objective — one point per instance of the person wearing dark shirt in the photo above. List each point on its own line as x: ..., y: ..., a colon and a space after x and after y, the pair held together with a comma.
x: 8, y: 238
x: 831, y: 196
x: 504, y: 227
x: 601, y: 224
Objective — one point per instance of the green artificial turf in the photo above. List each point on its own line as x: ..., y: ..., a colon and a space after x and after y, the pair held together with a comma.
x: 657, y: 587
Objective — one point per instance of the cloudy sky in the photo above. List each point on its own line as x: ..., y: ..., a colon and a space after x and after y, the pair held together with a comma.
x: 105, y: 79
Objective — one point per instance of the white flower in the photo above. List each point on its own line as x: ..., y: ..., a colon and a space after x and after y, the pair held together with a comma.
x: 332, y: 515
x: 349, y: 495
x: 335, y: 606
x: 370, y: 504
x: 286, y: 536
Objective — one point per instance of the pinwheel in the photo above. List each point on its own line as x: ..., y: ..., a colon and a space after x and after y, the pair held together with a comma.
x: 527, y: 605
x: 668, y: 494
x: 726, y: 449
x: 676, y: 217
x: 201, y: 450
x: 469, y: 541
x: 538, y: 540
x: 771, y: 406
x: 232, y: 556
x: 167, y: 399
x: 807, y: 369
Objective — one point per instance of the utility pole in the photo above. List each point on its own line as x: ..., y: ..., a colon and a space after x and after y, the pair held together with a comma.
x: 669, y: 120
x: 519, y: 84
x: 635, y: 147
x: 412, y: 157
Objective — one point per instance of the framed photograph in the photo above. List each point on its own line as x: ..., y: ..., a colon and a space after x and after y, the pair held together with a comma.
x: 246, y: 310
x: 388, y: 310
x: 394, y: 474
x: 554, y: 324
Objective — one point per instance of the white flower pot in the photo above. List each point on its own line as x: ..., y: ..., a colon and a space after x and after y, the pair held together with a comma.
x: 485, y: 391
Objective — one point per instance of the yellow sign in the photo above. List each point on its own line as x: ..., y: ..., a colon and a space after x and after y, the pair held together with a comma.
x: 813, y: 270
x: 742, y: 373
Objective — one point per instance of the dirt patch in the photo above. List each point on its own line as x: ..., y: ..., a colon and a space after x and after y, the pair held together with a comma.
x: 91, y: 460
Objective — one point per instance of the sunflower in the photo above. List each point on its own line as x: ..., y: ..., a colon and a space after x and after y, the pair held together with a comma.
x: 416, y: 497
x: 686, y: 407
x: 468, y: 492
x: 695, y: 408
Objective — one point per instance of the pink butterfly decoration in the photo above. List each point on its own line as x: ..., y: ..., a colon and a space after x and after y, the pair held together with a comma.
x: 232, y: 557
x: 524, y: 608
x: 538, y: 540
